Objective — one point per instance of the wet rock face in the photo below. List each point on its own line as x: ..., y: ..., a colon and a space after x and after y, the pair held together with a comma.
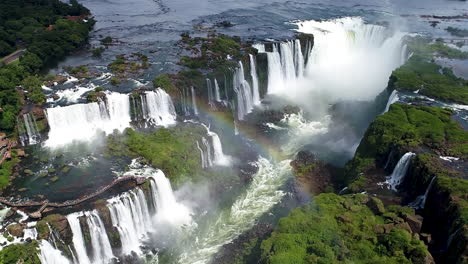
x: 60, y: 224
x: 313, y: 175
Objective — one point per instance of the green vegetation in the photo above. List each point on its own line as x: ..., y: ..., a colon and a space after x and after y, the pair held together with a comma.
x: 96, y: 95
x: 97, y: 52
x: 213, y: 52
x: 430, y: 79
x: 457, y: 32
x: 343, y: 229
x: 33, y: 86
x: 172, y: 150
x: 43, y: 29
x: 6, y: 170
x: 20, y: 253
x: 408, y: 126
x: 106, y: 41
x: 164, y: 82
x: 424, y: 47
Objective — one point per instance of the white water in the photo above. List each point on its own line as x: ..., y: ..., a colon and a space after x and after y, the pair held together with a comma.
x: 208, y: 155
x: 82, y: 122
x: 260, y: 196
x: 399, y: 172
x: 391, y: 100
x: 168, y: 210
x: 50, y: 255
x: 217, y: 94
x: 102, y: 251
x: 194, y: 101
x: 285, y: 66
x: 31, y: 128
x: 215, y: 149
x: 159, y: 108
x: 130, y: 215
x: 420, y: 201
x: 243, y: 91
x: 202, y: 156
x: 78, y: 240
x: 349, y: 60
x: 210, y: 94
x: 253, y: 74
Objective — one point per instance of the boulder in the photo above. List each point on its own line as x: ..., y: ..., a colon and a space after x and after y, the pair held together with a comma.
x: 376, y: 206
x: 16, y: 230
x: 415, y: 222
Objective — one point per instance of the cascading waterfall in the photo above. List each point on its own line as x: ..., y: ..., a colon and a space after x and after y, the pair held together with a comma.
x: 50, y: 255
x: 253, y: 74
x: 78, y: 239
x: 420, y: 201
x: 100, y: 245
x: 210, y: 93
x: 391, y: 100
x: 215, y: 149
x: 134, y: 215
x: 194, y: 101
x: 217, y: 93
x: 102, y: 251
x: 363, y: 55
x: 275, y: 73
x: 202, y: 156
x: 130, y: 215
x: 208, y: 158
x: 399, y: 171
x: 31, y: 128
x: 298, y: 58
x: 285, y: 65
x: 168, y: 210
x: 261, y: 195
x: 81, y: 122
x: 160, y: 110
x: 243, y: 91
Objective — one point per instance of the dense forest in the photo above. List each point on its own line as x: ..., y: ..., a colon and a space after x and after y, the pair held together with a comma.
x: 47, y: 30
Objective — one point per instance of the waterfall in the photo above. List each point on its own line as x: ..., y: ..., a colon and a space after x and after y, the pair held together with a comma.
x: 100, y: 245
x: 102, y: 251
x: 259, y: 197
x: 130, y: 216
x: 31, y: 128
x: 159, y: 108
x: 210, y: 93
x: 78, y: 240
x: 420, y: 201
x: 244, y: 93
x: 350, y: 60
x: 208, y: 158
x: 217, y: 94
x: 298, y: 58
x: 194, y: 101
x: 399, y: 171
x: 391, y: 100
x: 202, y: 156
x: 285, y: 65
x: 275, y: 73
x: 168, y: 210
x: 255, y: 88
x: 217, y: 157
x: 82, y: 122
x: 50, y: 255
